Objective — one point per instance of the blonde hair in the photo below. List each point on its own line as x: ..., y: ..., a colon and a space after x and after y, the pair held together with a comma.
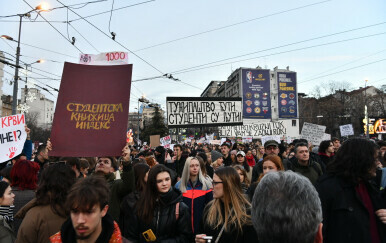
x: 235, y: 203
x: 206, y: 185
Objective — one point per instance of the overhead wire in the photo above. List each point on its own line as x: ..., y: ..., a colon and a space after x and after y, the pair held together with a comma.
x: 52, y: 26
x: 69, y: 24
x: 281, y: 52
x: 111, y: 14
x: 234, y: 24
x: 285, y: 45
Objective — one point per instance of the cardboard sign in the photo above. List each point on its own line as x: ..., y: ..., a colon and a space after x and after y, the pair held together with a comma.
x: 203, y: 111
x: 326, y: 136
x: 12, y: 136
x: 256, y: 130
x: 313, y: 133
x: 267, y: 138
x: 346, y: 130
x: 105, y: 58
x: 92, y: 111
x: 154, y: 141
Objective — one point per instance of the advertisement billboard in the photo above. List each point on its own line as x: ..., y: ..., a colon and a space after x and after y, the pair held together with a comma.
x: 287, y: 95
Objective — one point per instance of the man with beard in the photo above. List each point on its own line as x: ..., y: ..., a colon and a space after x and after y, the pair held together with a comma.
x: 89, y: 221
x: 106, y: 166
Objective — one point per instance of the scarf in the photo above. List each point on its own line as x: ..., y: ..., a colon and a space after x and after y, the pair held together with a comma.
x: 7, y: 212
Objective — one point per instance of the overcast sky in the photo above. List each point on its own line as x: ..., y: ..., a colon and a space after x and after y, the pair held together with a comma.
x: 340, y: 40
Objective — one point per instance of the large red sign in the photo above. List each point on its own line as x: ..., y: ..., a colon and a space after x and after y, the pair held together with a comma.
x: 92, y: 111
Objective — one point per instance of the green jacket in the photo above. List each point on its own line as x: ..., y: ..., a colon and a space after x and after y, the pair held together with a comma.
x: 6, y: 233
x: 119, y: 189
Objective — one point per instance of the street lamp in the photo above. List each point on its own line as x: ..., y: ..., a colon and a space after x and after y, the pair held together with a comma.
x: 41, y: 7
x: 26, y: 77
x: 142, y: 100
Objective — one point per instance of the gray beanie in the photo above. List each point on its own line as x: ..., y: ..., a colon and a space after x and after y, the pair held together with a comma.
x: 215, y: 155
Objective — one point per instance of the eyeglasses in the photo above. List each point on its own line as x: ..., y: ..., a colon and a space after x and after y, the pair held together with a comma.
x: 214, y: 183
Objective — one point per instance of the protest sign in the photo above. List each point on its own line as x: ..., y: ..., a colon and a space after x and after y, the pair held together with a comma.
x: 166, y: 141
x: 209, y: 136
x: 247, y: 139
x: 92, y: 111
x: 154, y: 141
x: 105, y: 58
x: 267, y: 138
x: 255, y: 130
x: 12, y: 136
x: 313, y: 133
x: 326, y: 136
x: 203, y: 111
x: 215, y: 142
x: 346, y: 130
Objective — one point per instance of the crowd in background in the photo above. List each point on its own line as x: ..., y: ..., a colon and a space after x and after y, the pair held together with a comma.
x: 200, y: 192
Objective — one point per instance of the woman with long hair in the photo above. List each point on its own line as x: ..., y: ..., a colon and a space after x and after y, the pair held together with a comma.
x: 353, y: 209
x: 245, y: 182
x: 141, y: 172
x: 196, y: 190
x: 271, y: 163
x: 227, y: 217
x: 159, y: 215
x: 45, y: 215
x: 7, y: 233
x: 24, y: 180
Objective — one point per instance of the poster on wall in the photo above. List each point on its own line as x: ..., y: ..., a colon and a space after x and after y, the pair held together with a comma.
x: 256, y: 93
x: 92, y: 111
x: 287, y: 95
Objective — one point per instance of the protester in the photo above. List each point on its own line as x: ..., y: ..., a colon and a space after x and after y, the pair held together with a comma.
x: 84, y: 167
x: 353, y: 210
x: 178, y: 160
x: 196, y: 191
x: 271, y: 163
x: 227, y: 217
x: 217, y: 159
x: 7, y: 234
x: 245, y: 182
x: 43, y: 216
x: 250, y: 159
x: 326, y: 152
x: 42, y: 157
x: 336, y: 143
x: 106, y: 167
x: 24, y: 178
x: 271, y: 147
x: 89, y: 222
x: 74, y: 164
x: 225, y: 150
x: 242, y: 161
x: 141, y: 173
x: 160, y: 213
x: 204, y: 167
x: 287, y: 208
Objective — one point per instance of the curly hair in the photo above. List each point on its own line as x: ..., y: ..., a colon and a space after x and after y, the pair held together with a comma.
x: 324, y: 146
x: 24, y: 175
x: 55, y: 183
x: 354, y: 160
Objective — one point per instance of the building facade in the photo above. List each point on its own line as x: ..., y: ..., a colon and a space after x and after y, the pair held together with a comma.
x: 40, y: 105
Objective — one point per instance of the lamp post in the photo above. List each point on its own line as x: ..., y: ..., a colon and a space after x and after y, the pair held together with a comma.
x: 41, y: 7
x: 142, y: 100
x: 366, y: 113
x: 26, y: 77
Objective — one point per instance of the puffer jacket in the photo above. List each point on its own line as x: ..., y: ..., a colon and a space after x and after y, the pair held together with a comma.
x: 196, y: 199
x: 165, y: 225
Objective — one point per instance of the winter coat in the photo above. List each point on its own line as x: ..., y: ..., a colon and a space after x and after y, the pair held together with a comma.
x: 196, y: 199
x: 39, y: 223
x: 248, y: 235
x: 165, y: 225
x: 110, y: 232
x: 119, y: 189
x: 7, y: 234
x: 312, y: 171
x: 345, y: 218
x: 22, y: 197
x: 127, y: 205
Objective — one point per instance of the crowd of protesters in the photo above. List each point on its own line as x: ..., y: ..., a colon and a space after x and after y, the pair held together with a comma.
x: 251, y: 192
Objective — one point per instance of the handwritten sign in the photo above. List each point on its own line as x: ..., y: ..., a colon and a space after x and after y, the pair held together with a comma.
x: 254, y: 130
x: 326, y: 136
x: 92, y: 111
x: 313, y: 133
x: 105, y: 58
x: 215, y: 142
x: 12, y: 136
x: 203, y: 111
x: 166, y: 141
x: 346, y: 130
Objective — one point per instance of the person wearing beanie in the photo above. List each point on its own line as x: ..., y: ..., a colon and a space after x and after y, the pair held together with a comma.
x: 6, y: 213
x: 217, y: 159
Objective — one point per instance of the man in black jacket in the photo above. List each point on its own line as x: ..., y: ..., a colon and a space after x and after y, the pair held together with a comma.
x: 225, y: 150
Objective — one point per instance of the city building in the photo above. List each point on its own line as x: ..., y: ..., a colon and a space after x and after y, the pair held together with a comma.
x: 40, y: 105
x: 211, y: 89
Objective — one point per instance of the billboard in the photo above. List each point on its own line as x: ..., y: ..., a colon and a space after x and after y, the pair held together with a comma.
x: 287, y: 95
x: 256, y: 93
x: 203, y: 111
